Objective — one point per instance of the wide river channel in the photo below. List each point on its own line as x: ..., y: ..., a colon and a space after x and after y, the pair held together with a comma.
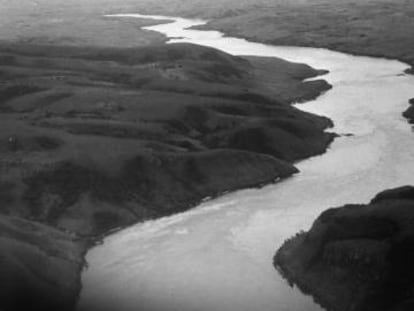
x: 218, y: 256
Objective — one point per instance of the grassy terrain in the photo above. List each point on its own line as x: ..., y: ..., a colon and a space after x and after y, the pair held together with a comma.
x: 93, y: 139
x: 39, y: 266
x: 78, y: 124
x: 370, y: 27
x: 357, y: 257
x: 381, y: 28
x: 100, y: 129
x: 375, y: 27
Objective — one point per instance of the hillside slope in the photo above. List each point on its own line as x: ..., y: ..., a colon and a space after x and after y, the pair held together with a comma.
x: 357, y: 257
x: 40, y: 266
x: 96, y: 139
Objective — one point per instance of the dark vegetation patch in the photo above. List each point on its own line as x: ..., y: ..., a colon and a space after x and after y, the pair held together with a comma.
x: 39, y: 265
x: 28, y: 143
x: 7, y: 60
x: 67, y: 180
x: 50, y: 99
x: 47, y: 143
x: 231, y: 110
x: 13, y: 91
x: 106, y: 220
x: 254, y: 139
x: 6, y: 195
x: 409, y: 113
x: 113, y: 131
x: 109, y: 130
x: 163, y: 183
x: 248, y: 97
x: 161, y: 54
x: 369, y: 247
x: 168, y: 54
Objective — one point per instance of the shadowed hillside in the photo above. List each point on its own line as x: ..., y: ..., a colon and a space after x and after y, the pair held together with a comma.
x: 409, y: 113
x: 96, y: 139
x: 40, y: 266
x: 357, y: 257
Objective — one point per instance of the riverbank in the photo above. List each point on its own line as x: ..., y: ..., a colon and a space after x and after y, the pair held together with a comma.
x: 372, y: 28
x: 409, y: 113
x: 95, y: 186
x: 40, y: 266
x: 181, y: 123
x: 215, y: 257
x: 357, y: 257
x: 379, y: 28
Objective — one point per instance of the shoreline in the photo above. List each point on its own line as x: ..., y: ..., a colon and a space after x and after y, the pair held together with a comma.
x: 358, y: 55
x: 98, y: 241
x: 256, y: 168
x: 235, y: 34
x: 366, y: 246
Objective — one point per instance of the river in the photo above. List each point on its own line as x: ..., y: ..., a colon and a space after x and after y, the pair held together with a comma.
x: 218, y: 256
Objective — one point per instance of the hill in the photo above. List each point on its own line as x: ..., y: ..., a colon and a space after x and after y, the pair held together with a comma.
x: 95, y: 139
x: 357, y: 257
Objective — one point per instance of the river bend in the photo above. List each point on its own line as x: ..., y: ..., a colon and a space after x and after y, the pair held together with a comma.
x: 218, y: 256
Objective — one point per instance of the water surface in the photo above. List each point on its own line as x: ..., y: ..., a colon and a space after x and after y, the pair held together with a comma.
x: 218, y: 256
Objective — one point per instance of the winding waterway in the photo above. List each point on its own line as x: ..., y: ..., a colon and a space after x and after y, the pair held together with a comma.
x: 218, y: 256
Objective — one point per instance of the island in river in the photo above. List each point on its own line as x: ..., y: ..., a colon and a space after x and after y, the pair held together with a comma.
x: 96, y: 139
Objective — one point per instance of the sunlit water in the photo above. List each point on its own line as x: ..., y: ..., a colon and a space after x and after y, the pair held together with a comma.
x: 218, y: 256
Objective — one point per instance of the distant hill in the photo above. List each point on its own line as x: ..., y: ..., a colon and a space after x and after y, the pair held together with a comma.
x: 382, y: 28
